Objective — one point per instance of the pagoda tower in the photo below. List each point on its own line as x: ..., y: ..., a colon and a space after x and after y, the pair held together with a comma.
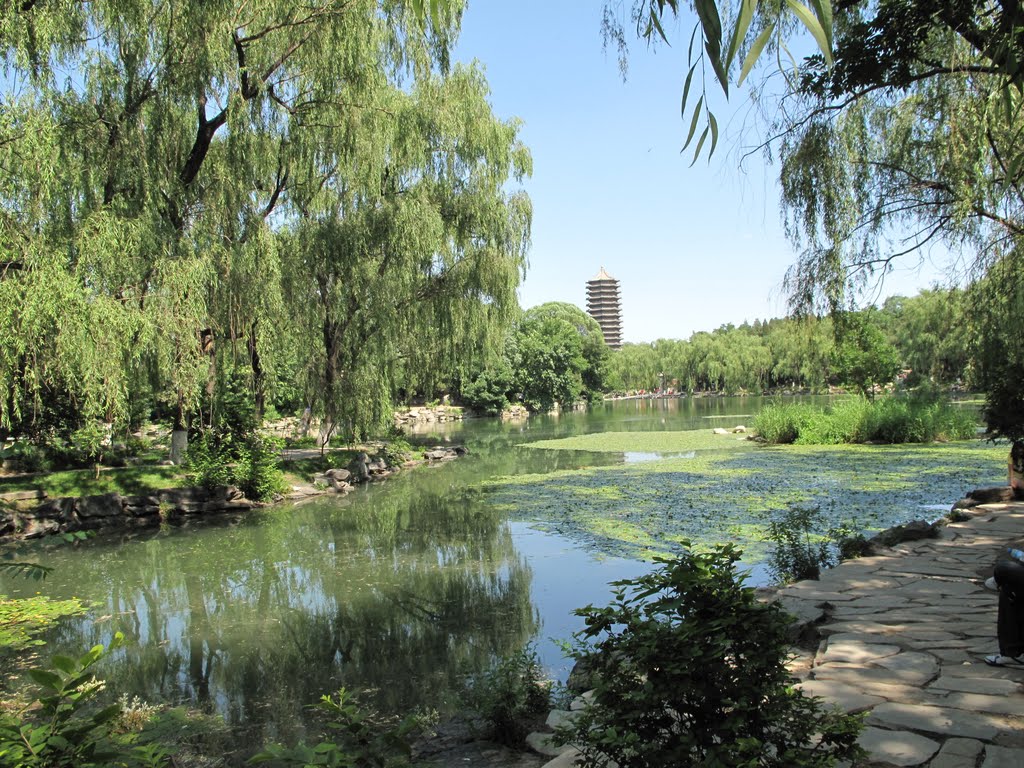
x: 603, y: 306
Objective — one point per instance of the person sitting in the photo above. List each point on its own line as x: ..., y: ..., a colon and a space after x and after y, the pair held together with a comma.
x: 1009, y: 578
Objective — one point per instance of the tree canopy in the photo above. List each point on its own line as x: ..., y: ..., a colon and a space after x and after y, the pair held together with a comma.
x: 310, y: 194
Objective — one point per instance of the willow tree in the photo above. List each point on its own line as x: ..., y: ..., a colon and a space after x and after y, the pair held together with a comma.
x: 408, y: 252
x: 157, y: 155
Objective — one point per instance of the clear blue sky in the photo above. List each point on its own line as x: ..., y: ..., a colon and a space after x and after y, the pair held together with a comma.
x: 693, y: 248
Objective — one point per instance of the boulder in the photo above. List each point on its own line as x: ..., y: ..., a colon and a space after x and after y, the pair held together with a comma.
x: 33, y: 528
x: 56, y: 509
x: 102, y: 506
x: 912, y: 531
x: 995, y: 495
x: 341, y: 475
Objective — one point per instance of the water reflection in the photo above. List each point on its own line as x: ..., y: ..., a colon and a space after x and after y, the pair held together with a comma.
x: 400, y: 589
x: 400, y: 596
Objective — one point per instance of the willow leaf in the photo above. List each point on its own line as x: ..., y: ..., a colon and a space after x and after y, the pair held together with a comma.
x: 809, y: 20
x: 747, y: 10
x: 693, y: 122
x: 755, y: 52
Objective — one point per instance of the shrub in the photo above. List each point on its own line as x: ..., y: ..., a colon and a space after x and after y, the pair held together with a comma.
x: 799, y: 553
x: 63, y: 726
x: 849, y: 542
x: 396, y: 451
x: 690, y: 671
x: 362, y: 739
x: 510, y: 695
x: 207, y: 462
x: 257, y: 472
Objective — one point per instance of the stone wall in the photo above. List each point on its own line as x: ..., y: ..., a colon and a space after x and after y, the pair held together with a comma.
x: 30, y: 514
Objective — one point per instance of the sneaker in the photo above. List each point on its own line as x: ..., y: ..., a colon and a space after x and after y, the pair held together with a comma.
x: 990, y: 583
x: 997, y: 660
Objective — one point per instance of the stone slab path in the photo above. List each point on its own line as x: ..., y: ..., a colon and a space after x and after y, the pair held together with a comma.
x: 903, y: 638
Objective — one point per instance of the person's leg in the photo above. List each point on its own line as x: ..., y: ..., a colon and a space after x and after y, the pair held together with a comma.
x: 1009, y: 575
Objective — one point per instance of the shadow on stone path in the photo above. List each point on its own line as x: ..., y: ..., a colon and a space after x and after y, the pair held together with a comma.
x: 903, y: 637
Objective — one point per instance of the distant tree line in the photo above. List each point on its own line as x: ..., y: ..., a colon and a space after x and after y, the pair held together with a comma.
x: 926, y: 337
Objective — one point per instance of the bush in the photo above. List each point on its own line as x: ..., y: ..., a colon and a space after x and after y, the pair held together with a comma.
x: 510, y: 695
x: 257, y: 472
x: 208, y: 462
x: 362, y: 740
x: 251, y: 464
x: 691, y: 671
x: 64, y: 727
x: 799, y: 553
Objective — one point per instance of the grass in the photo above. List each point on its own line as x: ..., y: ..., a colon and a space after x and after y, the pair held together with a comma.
x: 857, y: 420
x: 127, y: 481
x: 729, y: 491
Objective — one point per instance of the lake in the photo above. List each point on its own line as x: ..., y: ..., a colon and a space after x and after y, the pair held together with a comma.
x: 403, y: 589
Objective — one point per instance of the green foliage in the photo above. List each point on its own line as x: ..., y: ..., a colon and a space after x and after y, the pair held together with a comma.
x: 208, y: 461
x: 251, y: 463
x: 362, y: 740
x: 63, y: 727
x: 690, y: 670
x: 863, y: 357
x: 396, y: 451
x: 332, y: 230
x: 781, y: 423
x: 83, y: 482
x: 487, y: 391
x: 558, y: 356
x: 730, y: 43
x: 857, y: 420
x: 510, y: 696
x: 850, y: 542
x: 799, y: 552
x: 22, y: 620
x: 257, y: 471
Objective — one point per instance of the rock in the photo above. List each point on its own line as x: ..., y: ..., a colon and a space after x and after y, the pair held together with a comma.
x: 542, y: 744
x: 56, y: 509
x: 965, y: 503
x: 992, y: 495
x: 912, y: 531
x: 359, y: 468
x: 321, y: 479
x: 33, y: 528
x: 32, y: 495
x: 341, y: 475
x: 104, y: 505
x: 460, y: 450
x: 582, y: 677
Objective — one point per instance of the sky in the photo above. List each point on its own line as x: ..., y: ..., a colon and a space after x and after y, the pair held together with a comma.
x: 694, y: 247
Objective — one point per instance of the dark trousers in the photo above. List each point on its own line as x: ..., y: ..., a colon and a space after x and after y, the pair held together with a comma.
x: 1010, y: 623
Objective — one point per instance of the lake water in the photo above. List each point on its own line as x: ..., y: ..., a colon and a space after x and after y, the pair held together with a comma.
x: 400, y: 590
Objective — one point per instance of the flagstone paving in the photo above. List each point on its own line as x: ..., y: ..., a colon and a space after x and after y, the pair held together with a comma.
x: 903, y: 638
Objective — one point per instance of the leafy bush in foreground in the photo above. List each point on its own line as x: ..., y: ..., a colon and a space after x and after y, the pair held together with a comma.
x: 690, y: 670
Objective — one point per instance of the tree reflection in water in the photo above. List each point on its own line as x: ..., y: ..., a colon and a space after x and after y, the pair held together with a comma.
x: 401, y: 594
